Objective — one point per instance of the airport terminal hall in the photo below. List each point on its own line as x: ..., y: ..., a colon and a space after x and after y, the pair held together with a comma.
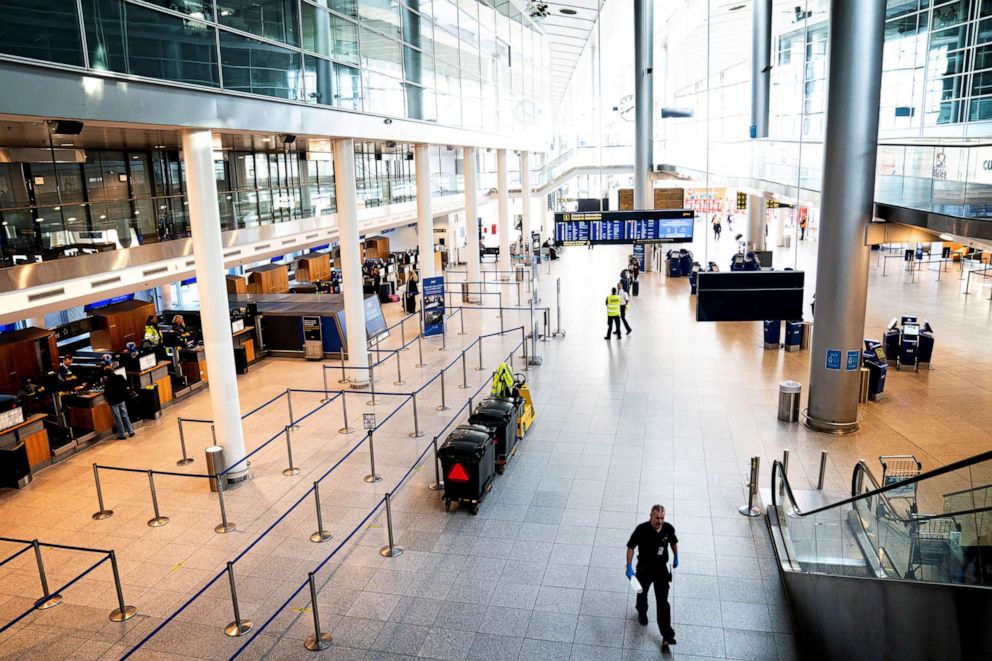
x: 496, y: 330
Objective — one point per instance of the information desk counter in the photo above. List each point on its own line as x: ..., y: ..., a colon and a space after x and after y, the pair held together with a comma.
x: 33, y: 434
x: 88, y: 411
x: 159, y: 374
x: 193, y: 363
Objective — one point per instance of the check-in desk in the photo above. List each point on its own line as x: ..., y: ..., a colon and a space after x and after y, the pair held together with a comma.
x: 193, y: 363
x: 158, y: 375
x: 23, y: 448
x: 88, y: 411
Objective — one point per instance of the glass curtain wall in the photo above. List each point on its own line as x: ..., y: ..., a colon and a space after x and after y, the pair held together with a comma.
x: 471, y: 63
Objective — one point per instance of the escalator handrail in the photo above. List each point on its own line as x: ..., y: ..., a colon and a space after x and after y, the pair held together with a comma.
x: 915, y: 519
x: 949, y: 468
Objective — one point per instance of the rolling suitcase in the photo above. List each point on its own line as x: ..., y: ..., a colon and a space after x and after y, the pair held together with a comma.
x: 410, y: 302
x: 635, y: 289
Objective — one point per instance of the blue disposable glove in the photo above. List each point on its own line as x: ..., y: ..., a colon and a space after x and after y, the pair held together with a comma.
x: 630, y: 572
x: 675, y: 561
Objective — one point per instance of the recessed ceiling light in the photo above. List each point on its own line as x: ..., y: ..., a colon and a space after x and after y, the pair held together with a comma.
x: 65, y: 144
x: 159, y: 146
x: 568, y: 12
x: 736, y: 7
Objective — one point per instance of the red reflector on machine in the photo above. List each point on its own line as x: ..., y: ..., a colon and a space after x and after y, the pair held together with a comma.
x: 457, y: 474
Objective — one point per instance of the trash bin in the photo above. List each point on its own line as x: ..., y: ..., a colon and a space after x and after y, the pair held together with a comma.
x: 468, y: 462
x: 673, y: 264
x: 215, y: 464
x: 793, y: 335
x: 806, y: 336
x: 694, y: 277
x: 465, y: 292
x: 925, y: 351
x: 501, y: 415
x: 773, y: 333
x: 519, y: 271
x: 788, y: 400
x: 863, y: 389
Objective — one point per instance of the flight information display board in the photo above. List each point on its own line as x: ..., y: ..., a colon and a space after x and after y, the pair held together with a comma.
x: 652, y: 226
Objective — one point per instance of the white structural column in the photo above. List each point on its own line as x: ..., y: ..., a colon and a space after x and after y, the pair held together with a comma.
x: 757, y: 210
x: 351, y: 262
x: 525, y: 203
x: 504, y: 226
x: 425, y: 219
x: 215, y: 316
x: 471, y: 215
x: 165, y: 292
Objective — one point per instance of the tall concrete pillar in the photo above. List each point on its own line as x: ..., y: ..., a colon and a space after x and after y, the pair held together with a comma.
x: 643, y: 102
x: 525, y: 202
x: 757, y: 212
x: 472, y: 266
x: 166, y: 297
x: 853, y: 94
x: 761, y: 66
x: 504, y: 224
x: 215, y: 316
x: 425, y: 219
x: 351, y: 262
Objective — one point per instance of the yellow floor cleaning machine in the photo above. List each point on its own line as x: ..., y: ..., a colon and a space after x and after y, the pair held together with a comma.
x: 509, y: 385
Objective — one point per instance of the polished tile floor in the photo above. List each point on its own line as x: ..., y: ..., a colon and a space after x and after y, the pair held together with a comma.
x: 670, y: 414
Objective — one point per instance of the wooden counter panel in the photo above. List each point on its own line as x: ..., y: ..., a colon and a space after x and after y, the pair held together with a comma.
x: 39, y: 451
x: 164, y: 389
x: 98, y: 418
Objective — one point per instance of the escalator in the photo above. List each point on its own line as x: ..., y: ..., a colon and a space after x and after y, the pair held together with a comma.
x: 901, y: 569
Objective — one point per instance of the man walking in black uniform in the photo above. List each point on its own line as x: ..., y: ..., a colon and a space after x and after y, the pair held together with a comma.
x: 652, y: 539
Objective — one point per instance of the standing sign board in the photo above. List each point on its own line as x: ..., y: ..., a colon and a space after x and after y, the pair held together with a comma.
x: 433, y: 306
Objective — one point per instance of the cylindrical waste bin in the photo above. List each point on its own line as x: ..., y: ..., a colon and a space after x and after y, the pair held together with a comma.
x: 773, y: 333
x: 863, y: 389
x: 806, y: 335
x: 468, y: 461
x: 793, y: 335
x: 215, y: 464
x: 465, y: 292
x: 519, y: 269
x: 788, y: 400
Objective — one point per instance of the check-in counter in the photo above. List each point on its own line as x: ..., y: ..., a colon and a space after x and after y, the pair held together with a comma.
x: 88, y: 411
x: 33, y: 434
x: 156, y: 375
x: 193, y: 363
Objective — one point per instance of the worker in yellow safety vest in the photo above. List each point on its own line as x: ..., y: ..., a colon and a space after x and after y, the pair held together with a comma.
x: 612, y: 313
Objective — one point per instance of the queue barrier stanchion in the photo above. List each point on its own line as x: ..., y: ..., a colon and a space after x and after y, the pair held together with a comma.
x: 239, y: 626
x: 320, y: 640
x: 213, y: 433
x: 344, y: 414
x: 123, y: 612
x: 480, y: 367
x: 443, y: 406
x: 103, y: 512
x: 320, y: 535
x: 444, y: 334
x: 371, y: 402
x: 823, y: 470
x: 501, y: 329
x: 372, y: 477
x: 344, y: 377
x: 461, y: 319
x: 399, y: 373
x: 49, y: 600
x: 464, y: 372
x: 158, y: 520
x: 438, y: 482
x: 186, y: 460
x: 420, y: 351
x: 291, y: 470
x: 289, y: 403
x: 750, y: 509
x: 224, y: 526
x: 416, y: 433
x: 391, y: 550
x: 403, y: 346
x: 323, y: 370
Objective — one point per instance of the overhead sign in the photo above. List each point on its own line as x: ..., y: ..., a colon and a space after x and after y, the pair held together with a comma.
x: 651, y: 226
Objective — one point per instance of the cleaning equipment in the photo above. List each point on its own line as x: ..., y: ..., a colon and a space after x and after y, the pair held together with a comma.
x: 508, y: 385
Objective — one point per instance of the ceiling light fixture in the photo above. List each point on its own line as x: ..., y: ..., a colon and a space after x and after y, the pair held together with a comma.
x: 568, y: 12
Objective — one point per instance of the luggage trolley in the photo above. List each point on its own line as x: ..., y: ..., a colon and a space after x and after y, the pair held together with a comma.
x: 930, y: 544
x: 895, y: 469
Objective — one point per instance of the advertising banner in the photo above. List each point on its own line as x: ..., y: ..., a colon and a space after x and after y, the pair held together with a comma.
x: 433, y: 305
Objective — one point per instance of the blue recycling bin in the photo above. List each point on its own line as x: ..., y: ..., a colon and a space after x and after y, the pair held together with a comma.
x: 875, y: 360
x: 674, y: 264
x: 773, y: 333
x: 793, y: 335
x: 925, y: 350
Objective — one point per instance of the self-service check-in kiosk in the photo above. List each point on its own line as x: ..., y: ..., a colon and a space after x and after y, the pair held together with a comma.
x: 925, y: 350
x: 875, y: 359
x: 908, y: 343
x: 890, y: 341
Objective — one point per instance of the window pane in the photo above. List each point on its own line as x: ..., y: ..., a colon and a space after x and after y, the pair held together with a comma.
x: 140, y: 185
x: 347, y: 87
x: 202, y: 9
x: 346, y: 7
x: 260, y: 68
x: 272, y: 19
x: 41, y: 29
x: 319, y: 75
x: 329, y: 35
x: 13, y: 187
x: 383, y: 15
x: 143, y: 42
x: 383, y: 94
x: 381, y: 54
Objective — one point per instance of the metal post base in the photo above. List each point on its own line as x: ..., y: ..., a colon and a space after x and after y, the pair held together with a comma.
x: 372, y: 479
x: 185, y: 462
x: 442, y: 408
x: 158, y: 521
x: 415, y: 434
x: 290, y: 471
x: 235, y: 629
x: 320, y: 536
x: 371, y: 402
x: 439, y: 486
x: 535, y: 360
x: 399, y: 383
x: 346, y: 430
x: 223, y: 528
x: 749, y: 511
x: 772, y: 346
x: 463, y: 387
x: 51, y: 601
x: 103, y: 514
x: 828, y: 427
x: 315, y: 644
x: 127, y: 614
x: 391, y: 551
